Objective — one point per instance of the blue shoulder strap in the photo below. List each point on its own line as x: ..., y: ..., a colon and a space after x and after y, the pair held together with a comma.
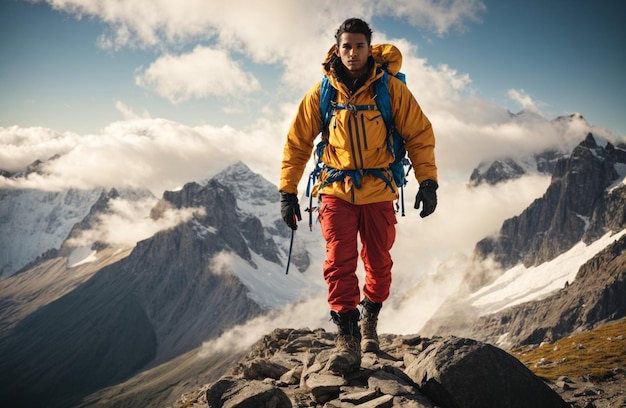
x: 383, y: 100
x: 395, y: 142
x: 328, y: 95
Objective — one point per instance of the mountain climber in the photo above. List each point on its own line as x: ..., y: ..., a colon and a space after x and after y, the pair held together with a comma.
x: 355, y: 200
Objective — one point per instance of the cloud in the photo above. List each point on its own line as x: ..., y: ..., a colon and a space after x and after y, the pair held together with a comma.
x: 149, y: 23
x: 463, y: 217
x: 291, y: 34
x: 126, y: 222
x: 198, y: 74
x: 523, y: 99
x: 20, y: 147
x: 128, y: 113
x: 155, y: 154
x: 441, y: 17
x: 222, y: 263
x: 300, y: 315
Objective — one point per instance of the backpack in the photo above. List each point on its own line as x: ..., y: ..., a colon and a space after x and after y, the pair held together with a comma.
x: 395, y: 143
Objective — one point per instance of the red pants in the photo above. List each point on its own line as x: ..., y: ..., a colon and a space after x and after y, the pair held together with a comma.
x: 341, y: 222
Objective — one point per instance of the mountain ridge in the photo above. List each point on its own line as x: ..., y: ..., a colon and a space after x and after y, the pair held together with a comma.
x: 573, y: 209
x: 162, y: 300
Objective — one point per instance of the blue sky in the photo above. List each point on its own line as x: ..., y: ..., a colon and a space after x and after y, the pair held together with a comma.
x: 568, y: 56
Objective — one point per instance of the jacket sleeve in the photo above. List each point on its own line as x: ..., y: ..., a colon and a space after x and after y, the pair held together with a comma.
x: 300, y: 139
x: 416, y: 130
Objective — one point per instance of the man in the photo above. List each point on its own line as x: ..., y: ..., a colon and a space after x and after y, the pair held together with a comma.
x: 358, y: 202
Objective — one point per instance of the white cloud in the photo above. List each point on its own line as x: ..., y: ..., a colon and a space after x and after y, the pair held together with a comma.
x: 126, y: 222
x: 300, y: 315
x: 151, y: 153
x: 222, y: 263
x: 152, y: 22
x: 20, y: 147
x: 522, y: 98
x: 198, y: 74
x: 156, y: 154
x: 292, y: 34
x: 128, y: 113
x: 438, y: 16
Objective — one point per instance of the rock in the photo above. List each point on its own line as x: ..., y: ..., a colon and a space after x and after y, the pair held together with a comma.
x: 447, y: 372
x: 390, y: 384
x: 324, y: 387
x: 246, y: 394
x: 464, y: 373
x: 360, y: 397
x: 292, y: 376
x: 384, y: 401
x: 260, y: 369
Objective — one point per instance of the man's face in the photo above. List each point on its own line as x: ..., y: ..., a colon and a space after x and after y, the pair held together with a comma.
x: 354, y: 51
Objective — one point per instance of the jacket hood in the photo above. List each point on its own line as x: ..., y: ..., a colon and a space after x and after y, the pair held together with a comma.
x: 386, y: 56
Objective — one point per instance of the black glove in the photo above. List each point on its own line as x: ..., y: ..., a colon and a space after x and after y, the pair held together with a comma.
x: 427, y: 196
x: 290, y: 209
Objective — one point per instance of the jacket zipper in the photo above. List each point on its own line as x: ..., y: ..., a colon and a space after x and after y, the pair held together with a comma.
x: 359, y: 161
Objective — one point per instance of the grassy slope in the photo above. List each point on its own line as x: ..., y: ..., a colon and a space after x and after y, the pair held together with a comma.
x: 594, y: 353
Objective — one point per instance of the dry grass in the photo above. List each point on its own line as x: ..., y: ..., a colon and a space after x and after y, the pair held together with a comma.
x: 595, y: 353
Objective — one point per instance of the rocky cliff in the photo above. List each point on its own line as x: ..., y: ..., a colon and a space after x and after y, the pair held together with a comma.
x: 578, y: 205
x: 596, y: 295
x: 497, y: 171
x: 585, y: 200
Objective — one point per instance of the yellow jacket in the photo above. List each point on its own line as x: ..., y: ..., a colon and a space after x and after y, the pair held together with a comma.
x: 357, y: 140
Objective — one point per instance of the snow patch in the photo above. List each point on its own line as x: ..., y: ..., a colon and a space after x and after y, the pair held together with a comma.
x: 268, y: 284
x: 36, y: 221
x: 80, y: 256
x: 520, y: 284
x: 621, y: 179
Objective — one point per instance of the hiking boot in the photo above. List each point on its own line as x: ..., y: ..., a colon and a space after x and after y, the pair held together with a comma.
x: 347, y: 355
x: 369, y: 336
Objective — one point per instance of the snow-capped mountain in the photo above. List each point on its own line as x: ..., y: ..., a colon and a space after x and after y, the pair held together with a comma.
x: 533, y: 281
x: 259, y: 198
x: 543, y: 163
x: 35, y: 223
x: 574, y: 208
x: 217, y: 268
x: 497, y: 171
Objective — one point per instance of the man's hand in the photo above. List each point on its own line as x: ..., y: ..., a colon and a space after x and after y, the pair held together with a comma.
x: 427, y: 196
x: 290, y: 209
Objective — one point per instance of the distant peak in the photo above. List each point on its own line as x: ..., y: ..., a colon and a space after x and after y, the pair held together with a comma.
x: 237, y: 167
x: 589, y: 142
x: 576, y: 115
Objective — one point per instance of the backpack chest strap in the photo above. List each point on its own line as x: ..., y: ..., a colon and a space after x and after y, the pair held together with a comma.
x: 352, y: 107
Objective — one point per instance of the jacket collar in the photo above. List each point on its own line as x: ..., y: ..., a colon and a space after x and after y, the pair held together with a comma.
x: 354, y: 84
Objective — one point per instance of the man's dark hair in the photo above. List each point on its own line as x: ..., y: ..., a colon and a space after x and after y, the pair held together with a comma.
x: 355, y: 25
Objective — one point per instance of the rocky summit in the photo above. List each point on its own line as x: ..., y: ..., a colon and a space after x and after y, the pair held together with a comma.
x: 286, y: 369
